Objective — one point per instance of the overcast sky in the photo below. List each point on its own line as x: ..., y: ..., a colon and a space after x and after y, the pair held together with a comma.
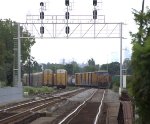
x: 80, y: 50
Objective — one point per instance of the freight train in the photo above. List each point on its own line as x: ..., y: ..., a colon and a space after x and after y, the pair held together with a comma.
x: 46, y: 78
x: 60, y: 79
x: 100, y: 79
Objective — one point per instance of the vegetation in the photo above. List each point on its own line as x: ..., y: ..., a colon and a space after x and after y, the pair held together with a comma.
x: 115, y: 83
x: 127, y: 66
x: 91, y: 66
x: 141, y: 65
x: 31, y: 66
x: 8, y: 31
x: 71, y: 68
x: 43, y: 90
x: 113, y: 68
x: 37, y: 90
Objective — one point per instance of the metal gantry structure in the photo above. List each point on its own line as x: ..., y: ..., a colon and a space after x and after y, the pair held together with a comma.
x: 69, y: 27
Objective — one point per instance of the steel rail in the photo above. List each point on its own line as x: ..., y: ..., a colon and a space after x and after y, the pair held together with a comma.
x: 26, y: 104
x: 28, y: 112
x: 99, y: 109
x: 36, y: 101
x: 82, y: 104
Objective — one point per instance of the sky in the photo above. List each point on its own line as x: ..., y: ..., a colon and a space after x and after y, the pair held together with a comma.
x: 79, y: 50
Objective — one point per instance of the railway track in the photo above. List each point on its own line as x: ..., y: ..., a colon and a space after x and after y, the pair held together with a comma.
x: 87, y: 112
x: 18, y: 113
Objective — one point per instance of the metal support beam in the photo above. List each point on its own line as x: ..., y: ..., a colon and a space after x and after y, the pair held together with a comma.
x: 19, y: 58
x: 120, y: 58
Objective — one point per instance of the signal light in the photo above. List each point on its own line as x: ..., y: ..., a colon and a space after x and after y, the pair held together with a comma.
x: 42, y: 30
x: 95, y: 14
x: 94, y: 2
x: 67, y: 2
x: 41, y: 4
x: 67, y: 30
x: 41, y: 15
x: 67, y: 15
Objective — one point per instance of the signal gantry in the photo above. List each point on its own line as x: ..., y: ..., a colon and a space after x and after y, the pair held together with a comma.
x: 67, y: 26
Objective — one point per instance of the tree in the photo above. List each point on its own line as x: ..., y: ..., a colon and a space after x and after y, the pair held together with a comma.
x: 91, y: 62
x: 141, y: 64
x: 127, y: 66
x: 69, y: 68
x: 113, y: 68
x: 8, y: 31
x: 91, y: 66
x: 31, y: 66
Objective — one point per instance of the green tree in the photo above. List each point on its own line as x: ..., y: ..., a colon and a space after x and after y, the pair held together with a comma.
x: 53, y: 66
x: 91, y: 62
x: 91, y: 66
x: 127, y: 66
x: 31, y: 66
x: 113, y: 68
x: 69, y: 68
x: 76, y: 67
x: 141, y: 65
x: 2, y: 52
x: 104, y: 67
x: 8, y: 31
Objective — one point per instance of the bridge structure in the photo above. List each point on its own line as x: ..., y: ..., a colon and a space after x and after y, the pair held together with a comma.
x: 66, y: 26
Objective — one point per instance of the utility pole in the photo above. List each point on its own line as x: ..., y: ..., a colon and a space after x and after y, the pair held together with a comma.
x: 141, y: 21
x: 29, y: 64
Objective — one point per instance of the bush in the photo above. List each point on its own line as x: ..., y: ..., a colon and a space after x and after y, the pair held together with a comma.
x: 2, y: 84
x: 29, y: 89
x: 37, y: 90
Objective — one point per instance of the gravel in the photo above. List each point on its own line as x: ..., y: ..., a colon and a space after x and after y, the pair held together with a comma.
x: 57, y: 112
x: 82, y: 96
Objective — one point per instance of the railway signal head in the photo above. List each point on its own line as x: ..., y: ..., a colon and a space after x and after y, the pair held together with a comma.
x: 94, y: 14
x: 67, y: 15
x: 41, y: 4
x: 41, y: 15
x: 94, y: 2
x: 67, y: 2
x: 67, y: 30
x: 42, y: 30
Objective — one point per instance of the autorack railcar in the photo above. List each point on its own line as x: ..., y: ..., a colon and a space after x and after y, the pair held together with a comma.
x: 103, y: 79
x: 48, y: 77
x: 37, y: 79
x: 100, y: 79
x: 78, y: 79
x: 61, y: 78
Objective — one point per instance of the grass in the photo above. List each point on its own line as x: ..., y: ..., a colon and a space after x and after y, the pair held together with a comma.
x: 36, y: 90
x: 2, y: 84
x: 43, y: 90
